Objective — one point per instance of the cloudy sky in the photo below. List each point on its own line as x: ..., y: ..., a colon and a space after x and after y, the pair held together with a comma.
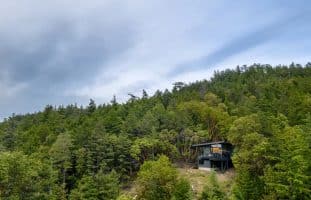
x: 60, y: 52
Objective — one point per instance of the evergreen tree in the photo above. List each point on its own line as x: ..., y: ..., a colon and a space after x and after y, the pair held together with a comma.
x: 92, y: 106
x: 182, y: 190
x: 61, y: 155
x: 288, y: 176
x: 99, y: 187
x: 263, y: 111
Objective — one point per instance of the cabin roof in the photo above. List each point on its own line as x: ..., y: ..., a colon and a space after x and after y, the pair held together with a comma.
x: 210, y: 143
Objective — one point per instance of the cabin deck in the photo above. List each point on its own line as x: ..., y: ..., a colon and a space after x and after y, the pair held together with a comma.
x: 214, y: 155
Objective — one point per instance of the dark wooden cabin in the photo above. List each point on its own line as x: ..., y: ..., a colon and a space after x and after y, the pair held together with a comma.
x: 215, y: 155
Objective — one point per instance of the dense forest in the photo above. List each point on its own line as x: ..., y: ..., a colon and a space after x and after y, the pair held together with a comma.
x: 94, y: 152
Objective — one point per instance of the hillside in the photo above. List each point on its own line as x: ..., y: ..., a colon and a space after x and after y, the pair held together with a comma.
x: 71, y: 152
x: 197, y: 180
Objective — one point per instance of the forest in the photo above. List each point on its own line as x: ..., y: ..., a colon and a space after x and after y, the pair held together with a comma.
x: 97, y: 151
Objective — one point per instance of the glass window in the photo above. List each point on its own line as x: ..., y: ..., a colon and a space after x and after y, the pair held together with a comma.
x: 216, y: 148
x: 206, y: 150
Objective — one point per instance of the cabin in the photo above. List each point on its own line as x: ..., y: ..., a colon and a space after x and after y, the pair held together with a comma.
x: 214, y: 155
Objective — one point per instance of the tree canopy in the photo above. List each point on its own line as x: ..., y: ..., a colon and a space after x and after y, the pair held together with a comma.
x: 71, y: 152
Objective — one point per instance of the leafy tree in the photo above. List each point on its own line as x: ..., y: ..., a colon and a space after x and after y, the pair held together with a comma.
x: 212, y: 190
x: 249, y: 156
x: 157, y: 179
x: 263, y: 110
x: 149, y: 147
x: 212, y: 99
x: 24, y: 177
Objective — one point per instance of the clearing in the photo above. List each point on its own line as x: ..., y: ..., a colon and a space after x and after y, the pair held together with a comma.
x: 198, y: 178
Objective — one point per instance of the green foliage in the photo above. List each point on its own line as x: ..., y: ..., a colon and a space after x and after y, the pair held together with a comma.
x: 264, y: 111
x: 24, y: 177
x: 92, y: 106
x: 249, y: 157
x: 212, y: 190
x: 99, y: 187
x: 124, y: 197
x: 288, y: 177
x: 149, y: 147
x: 61, y: 155
x: 182, y: 190
x: 157, y: 179
x: 248, y: 185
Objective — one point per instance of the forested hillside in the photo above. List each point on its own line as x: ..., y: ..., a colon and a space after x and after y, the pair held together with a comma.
x: 71, y: 152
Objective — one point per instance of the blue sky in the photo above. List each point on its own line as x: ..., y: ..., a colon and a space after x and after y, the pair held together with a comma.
x: 60, y: 52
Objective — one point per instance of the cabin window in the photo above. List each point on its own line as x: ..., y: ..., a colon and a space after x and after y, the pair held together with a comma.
x: 206, y: 150
x: 216, y: 148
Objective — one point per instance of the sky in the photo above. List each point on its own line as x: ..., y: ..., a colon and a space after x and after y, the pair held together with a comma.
x: 61, y: 52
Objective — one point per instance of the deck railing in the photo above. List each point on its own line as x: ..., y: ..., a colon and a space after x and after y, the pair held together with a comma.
x: 221, y: 155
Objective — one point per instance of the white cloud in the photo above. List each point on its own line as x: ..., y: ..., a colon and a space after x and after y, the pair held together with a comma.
x: 62, y: 51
